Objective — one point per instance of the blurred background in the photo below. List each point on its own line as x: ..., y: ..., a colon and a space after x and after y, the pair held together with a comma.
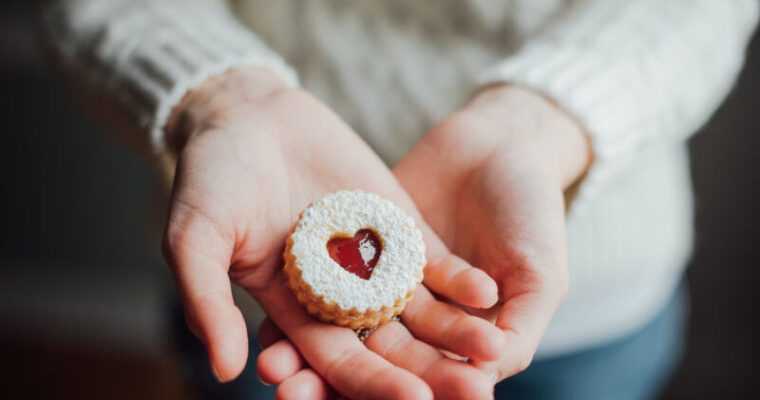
x: 83, y: 288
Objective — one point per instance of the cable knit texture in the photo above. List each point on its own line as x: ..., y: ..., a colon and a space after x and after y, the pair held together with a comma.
x: 635, y: 72
x: 641, y: 76
x: 150, y: 53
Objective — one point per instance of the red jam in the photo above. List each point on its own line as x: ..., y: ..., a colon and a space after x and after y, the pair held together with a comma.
x: 357, y: 255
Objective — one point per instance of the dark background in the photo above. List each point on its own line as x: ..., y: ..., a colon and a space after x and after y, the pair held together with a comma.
x: 83, y: 296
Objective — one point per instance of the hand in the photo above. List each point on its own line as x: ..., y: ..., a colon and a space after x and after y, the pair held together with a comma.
x: 490, y: 181
x: 252, y: 155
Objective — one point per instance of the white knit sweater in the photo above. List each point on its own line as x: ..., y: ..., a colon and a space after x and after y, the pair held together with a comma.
x: 641, y: 75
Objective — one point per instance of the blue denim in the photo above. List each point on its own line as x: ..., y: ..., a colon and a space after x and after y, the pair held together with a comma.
x: 632, y: 368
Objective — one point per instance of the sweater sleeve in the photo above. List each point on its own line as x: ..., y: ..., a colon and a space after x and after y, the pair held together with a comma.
x: 634, y: 72
x: 147, y: 54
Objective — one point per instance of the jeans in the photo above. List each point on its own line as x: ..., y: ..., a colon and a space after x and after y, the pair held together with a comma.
x: 635, y: 367
x: 631, y: 368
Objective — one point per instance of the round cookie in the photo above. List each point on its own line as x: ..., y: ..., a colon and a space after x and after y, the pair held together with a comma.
x: 354, y: 259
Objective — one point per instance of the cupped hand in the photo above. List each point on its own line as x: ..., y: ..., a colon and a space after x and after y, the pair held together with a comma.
x: 490, y: 180
x: 252, y: 155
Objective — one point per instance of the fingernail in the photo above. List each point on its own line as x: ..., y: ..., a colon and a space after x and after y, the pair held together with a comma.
x: 262, y: 381
x: 216, y: 373
x: 494, y: 377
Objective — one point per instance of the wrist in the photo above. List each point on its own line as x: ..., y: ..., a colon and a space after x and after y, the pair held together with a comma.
x: 544, y: 134
x: 208, y: 104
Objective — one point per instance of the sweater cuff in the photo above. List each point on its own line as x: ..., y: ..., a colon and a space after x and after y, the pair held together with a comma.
x: 158, y: 51
x: 169, y: 92
x: 166, y: 72
x: 590, y: 88
x: 149, y: 53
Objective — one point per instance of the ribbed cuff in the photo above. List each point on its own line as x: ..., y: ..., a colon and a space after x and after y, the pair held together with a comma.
x: 169, y: 96
x: 633, y: 73
x: 148, y: 54
x: 182, y: 51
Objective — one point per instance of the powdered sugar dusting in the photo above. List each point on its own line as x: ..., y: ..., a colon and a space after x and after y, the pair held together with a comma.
x: 401, y: 262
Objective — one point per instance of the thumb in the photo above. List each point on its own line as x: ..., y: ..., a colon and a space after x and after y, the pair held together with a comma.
x: 199, y: 254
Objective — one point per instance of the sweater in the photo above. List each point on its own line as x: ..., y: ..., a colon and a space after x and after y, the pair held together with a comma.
x: 641, y: 76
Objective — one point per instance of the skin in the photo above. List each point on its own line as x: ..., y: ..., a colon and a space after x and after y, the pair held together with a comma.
x: 250, y: 155
x: 499, y: 204
x: 496, y: 197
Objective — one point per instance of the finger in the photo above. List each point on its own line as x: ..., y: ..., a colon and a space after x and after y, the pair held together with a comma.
x: 199, y: 258
x: 336, y: 353
x: 448, y: 327
x: 523, y: 319
x: 454, y: 278
x: 268, y: 333
x: 278, y: 362
x: 449, y: 379
x: 449, y: 275
x: 305, y: 385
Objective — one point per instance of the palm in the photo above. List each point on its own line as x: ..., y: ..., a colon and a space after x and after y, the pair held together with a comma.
x: 254, y: 182
x: 495, y: 214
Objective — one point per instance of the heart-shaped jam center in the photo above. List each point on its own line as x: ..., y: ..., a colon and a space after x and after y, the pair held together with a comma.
x: 358, y: 254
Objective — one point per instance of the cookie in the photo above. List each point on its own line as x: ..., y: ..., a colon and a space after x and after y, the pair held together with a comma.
x: 354, y: 259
